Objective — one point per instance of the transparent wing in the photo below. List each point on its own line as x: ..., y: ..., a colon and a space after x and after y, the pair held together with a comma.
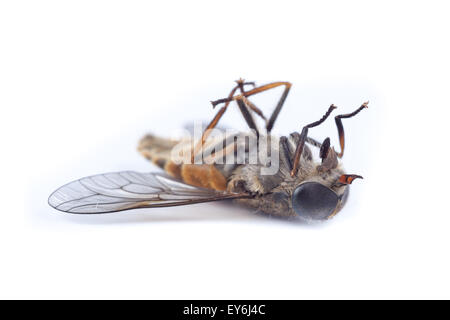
x: 126, y: 190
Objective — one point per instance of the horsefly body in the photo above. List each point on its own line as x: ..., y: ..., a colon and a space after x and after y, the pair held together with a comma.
x: 273, y: 175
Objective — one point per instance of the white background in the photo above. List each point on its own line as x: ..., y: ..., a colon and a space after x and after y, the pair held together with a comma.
x: 82, y: 81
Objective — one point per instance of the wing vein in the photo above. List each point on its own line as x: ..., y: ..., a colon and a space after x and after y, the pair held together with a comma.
x: 126, y: 190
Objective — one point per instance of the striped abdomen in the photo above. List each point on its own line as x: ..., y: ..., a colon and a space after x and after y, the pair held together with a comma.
x: 158, y: 150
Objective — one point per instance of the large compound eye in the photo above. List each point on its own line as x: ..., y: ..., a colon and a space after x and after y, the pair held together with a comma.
x: 314, y: 201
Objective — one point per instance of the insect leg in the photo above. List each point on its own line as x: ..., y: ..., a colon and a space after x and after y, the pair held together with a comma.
x: 285, y: 153
x: 277, y: 110
x: 313, y: 142
x: 243, y: 106
x: 250, y: 104
x: 303, y: 135
x: 215, y: 120
x: 340, y: 126
x: 263, y: 88
x: 338, y: 120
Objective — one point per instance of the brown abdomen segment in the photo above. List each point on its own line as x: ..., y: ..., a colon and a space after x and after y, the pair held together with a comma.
x: 158, y: 150
x: 203, y: 175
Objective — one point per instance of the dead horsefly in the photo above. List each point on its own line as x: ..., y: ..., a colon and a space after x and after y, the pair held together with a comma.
x: 273, y: 175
